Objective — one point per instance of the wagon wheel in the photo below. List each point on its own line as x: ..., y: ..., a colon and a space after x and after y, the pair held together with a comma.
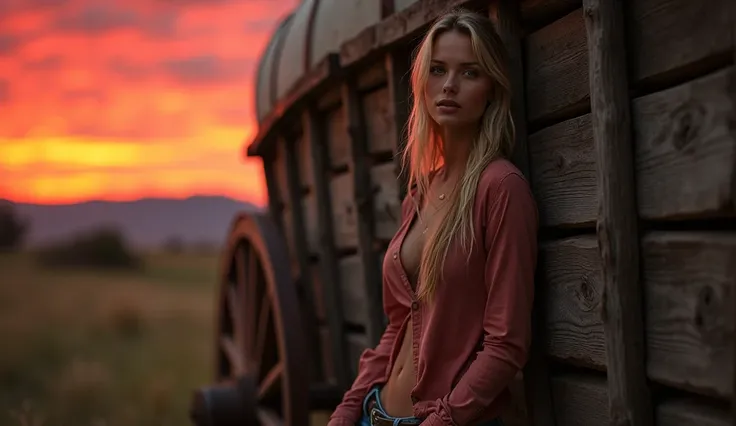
x: 258, y: 339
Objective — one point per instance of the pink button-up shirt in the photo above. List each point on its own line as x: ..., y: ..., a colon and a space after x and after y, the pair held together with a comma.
x: 473, y: 339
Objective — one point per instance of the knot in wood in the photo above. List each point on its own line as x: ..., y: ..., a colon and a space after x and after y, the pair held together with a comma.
x: 587, y: 294
x: 687, y: 122
x: 709, y: 317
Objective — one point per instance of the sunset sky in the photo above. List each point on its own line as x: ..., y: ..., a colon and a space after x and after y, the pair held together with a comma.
x: 124, y: 99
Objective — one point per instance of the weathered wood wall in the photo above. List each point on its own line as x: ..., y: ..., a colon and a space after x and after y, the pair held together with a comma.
x: 666, y: 202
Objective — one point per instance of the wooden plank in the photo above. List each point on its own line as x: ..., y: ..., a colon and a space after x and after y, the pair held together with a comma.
x: 328, y: 259
x: 338, y: 138
x: 357, y: 343
x: 539, y: 12
x: 379, y: 120
x: 580, y: 400
x: 563, y: 173
x: 344, y: 212
x: 686, y: 149
x: 318, y: 291
x: 299, y: 249
x: 306, y: 172
x: 311, y: 222
x: 353, y: 291
x: 403, y: 25
x: 687, y: 411
x: 572, y: 274
x: 279, y: 168
x: 557, y: 69
x: 274, y: 203
x: 690, y: 279
x: 535, y: 389
x: 363, y: 196
x: 618, y: 240
x: 386, y: 201
x: 371, y: 76
x: 667, y: 35
x: 398, y: 65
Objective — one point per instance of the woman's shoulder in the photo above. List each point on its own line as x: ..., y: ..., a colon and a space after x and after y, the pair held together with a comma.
x: 495, y: 177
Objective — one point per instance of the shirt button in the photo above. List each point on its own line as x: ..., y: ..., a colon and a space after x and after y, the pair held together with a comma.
x: 415, y: 305
x: 396, y: 256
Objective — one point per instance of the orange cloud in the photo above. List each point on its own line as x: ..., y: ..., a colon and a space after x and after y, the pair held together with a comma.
x: 130, y: 99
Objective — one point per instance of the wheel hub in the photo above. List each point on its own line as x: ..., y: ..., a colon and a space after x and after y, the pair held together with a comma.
x: 231, y: 403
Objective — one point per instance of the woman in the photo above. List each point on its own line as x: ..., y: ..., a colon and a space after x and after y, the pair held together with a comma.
x: 458, y: 275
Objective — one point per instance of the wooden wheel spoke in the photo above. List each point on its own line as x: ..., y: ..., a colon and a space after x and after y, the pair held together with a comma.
x: 250, y: 305
x: 233, y: 353
x: 236, y: 315
x: 271, y: 382
x: 262, y: 331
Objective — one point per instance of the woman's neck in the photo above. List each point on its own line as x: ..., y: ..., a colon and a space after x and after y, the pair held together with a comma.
x: 456, y: 145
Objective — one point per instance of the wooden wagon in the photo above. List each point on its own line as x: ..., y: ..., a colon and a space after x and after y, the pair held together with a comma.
x: 626, y: 118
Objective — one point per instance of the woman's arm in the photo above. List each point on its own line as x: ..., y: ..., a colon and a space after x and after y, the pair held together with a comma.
x: 511, y: 246
x: 373, y: 362
x: 371, y: 369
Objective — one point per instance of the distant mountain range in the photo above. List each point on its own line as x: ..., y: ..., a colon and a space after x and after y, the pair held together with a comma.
x: 146, y: 223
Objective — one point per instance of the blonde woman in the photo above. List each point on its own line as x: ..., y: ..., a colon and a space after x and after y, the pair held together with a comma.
x: 458, y: 275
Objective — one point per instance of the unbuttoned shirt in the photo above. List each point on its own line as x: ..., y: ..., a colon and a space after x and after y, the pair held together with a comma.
x: 473, y: 338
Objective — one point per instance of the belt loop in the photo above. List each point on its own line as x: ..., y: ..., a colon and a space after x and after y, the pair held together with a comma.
x: 367, y: 399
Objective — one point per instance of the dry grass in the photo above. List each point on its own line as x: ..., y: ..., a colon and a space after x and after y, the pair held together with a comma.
x: 92, y: 348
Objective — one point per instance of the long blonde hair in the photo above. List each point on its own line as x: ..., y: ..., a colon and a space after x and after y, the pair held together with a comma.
x: 424, y: 154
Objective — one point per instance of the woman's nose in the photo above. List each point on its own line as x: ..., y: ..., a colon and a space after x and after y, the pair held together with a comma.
x: 449, y: 86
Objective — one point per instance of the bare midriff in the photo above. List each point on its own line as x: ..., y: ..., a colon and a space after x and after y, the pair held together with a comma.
x: 396, y: 393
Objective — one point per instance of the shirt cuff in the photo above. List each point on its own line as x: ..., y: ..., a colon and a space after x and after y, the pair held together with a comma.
x: 435, y: 420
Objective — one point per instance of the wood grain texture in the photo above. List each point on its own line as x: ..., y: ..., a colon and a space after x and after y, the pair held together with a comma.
x: 689, y: 283
x: 379, y: 124
x: 363, y: 197
x: 580, y: 400
x: 556, y: 68
x: 686, y: 149
x: 353, y: 291
x: 338, y: 139
x: 532, y: 402
x: 563, y: 173
x: 666, y: 35
x: 684, y: 411
x: 386, y: 201
x: 398, y: 65
x: 539, y: 12
x: 572, y: 275
x: 329, y: 274
x: 311, y: 222
x: 344, y: 212
x: 617, y: 229
x: 299, y: 251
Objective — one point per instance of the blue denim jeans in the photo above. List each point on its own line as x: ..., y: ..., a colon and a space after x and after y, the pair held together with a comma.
x: 375, y: 393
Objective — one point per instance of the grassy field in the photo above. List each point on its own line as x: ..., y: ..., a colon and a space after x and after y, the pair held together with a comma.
x: 90, y: 348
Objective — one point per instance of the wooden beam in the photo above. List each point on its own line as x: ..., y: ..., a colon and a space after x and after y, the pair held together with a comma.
x: 327, y: 256
x: 507, y: 17
x: 302, y: 253
x: 363, y: 192
x: 732, y: 14
x: 617, y: 227
x: 274, y: 198
x: 398, y: 68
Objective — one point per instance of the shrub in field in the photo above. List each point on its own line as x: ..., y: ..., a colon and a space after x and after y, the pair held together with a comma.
x: 103, y: 248
x: 12, y: 228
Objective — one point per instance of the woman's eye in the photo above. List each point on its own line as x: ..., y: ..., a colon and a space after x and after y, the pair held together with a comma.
x: 436, y: 70
x: 471, y: 73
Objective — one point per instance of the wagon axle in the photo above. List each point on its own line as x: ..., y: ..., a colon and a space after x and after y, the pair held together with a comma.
x: 231, y: 403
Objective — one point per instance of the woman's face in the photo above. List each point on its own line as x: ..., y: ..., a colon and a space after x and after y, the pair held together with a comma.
x: 457, y: 90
